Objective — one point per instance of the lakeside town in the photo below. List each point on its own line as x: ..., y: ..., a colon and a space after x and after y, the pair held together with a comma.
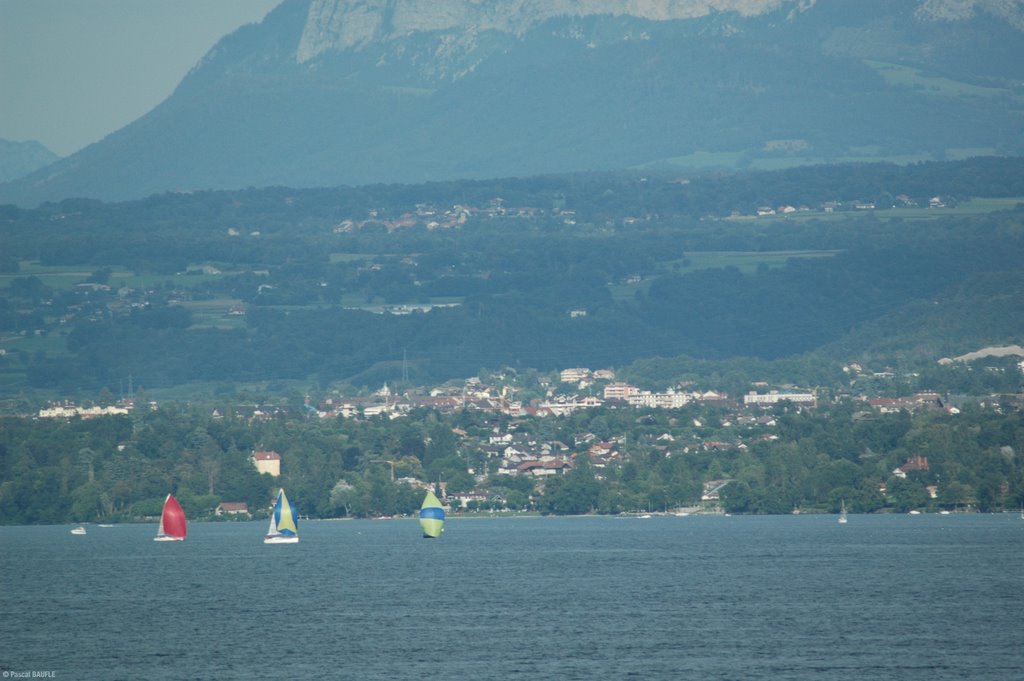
x: 509, y: 439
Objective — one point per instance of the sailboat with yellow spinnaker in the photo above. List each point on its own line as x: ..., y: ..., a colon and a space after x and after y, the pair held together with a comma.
x: 431, y: 516
x: 284, y: 521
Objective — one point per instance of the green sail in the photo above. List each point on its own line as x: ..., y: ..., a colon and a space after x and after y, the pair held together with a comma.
x: 431, y: 516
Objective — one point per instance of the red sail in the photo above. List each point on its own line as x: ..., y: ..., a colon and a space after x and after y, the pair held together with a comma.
x: 174, y: 518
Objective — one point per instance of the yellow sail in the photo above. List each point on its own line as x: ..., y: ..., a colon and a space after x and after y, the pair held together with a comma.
x: 431, y: 516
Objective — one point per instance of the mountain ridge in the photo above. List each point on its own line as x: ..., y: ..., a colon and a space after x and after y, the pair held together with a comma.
x: 746, y: 84
x: 338, y: 25
x: 21, y: 158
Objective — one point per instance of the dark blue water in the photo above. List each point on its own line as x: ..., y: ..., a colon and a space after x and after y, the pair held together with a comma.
x: 740, y: 598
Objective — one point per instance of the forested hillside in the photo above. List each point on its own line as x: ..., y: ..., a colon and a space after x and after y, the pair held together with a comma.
x: 365, y: 285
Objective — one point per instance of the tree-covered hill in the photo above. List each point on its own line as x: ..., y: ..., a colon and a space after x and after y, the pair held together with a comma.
x: 367, y: 284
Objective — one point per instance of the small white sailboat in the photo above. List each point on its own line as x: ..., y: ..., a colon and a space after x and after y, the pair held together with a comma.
x: 78, y: 530
x: 842, y: 511
x: 172, y: 522
x: 284, y: 521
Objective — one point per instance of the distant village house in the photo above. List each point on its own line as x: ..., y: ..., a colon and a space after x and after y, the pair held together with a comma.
x: 232, y: 508
x: 267, y: 462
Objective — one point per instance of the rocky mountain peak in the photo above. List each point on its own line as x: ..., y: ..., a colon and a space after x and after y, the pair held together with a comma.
x: 340, y: 25
x: 1011, y: 11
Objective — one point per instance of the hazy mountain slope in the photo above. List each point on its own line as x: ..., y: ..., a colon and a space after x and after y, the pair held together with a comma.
x: 327, y: 92
x: 969, y: 315
x: 21, y: 158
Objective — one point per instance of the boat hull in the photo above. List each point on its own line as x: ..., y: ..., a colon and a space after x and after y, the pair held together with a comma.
x: 280, y: 539
x: 168, y: 537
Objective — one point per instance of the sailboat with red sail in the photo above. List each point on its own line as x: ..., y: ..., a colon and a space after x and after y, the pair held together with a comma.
x: 172, y: 522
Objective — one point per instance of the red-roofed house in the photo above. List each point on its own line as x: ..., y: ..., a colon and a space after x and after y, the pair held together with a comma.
x: 914, y: 463
x: 267, y: 462
x: 232, y: 508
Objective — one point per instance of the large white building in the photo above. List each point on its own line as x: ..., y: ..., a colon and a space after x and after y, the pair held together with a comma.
x: 645, y: 398
x: 267, y: 462
x: 620, y: 391
x: 774, y: 397
x: 574, y: 375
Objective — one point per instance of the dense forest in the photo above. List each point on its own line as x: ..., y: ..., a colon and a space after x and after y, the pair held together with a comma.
x: 893, y: 263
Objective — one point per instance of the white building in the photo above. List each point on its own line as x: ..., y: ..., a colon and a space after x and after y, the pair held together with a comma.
x: 774, y: 397
x: 574, y: 375
x: 620, y: 391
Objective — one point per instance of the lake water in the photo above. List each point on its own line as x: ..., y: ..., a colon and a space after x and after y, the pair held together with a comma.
x: 730, y: 598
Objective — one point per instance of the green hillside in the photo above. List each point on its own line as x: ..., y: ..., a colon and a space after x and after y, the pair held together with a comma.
x: 438, y: 281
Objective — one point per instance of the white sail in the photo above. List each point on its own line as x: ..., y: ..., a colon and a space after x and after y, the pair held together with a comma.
x: 272, y: 530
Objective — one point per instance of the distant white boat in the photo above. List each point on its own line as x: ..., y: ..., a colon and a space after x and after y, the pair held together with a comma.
x: 915, y: 512
x: 842, y: 511
x: 943, y: 512
x: 78, y: 530
x: 102, y: 525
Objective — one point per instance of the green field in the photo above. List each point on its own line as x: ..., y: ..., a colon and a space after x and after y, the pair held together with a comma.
x: 761, y: 160
x: 906, y: 76
x: 214, y: 313
x: 50, y: 343
x: 62, y: 277
x: 335, y: 258
x: 747, y: 262
x: 970, y: 207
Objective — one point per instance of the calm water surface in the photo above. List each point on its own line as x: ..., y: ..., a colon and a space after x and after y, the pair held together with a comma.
x: 733, y: 598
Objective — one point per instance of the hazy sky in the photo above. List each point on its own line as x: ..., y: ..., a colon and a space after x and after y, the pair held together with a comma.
x: 73, y: 71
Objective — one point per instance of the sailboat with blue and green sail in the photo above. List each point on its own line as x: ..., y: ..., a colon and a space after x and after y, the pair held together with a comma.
x: 431, y: 516
x: 284, y: 522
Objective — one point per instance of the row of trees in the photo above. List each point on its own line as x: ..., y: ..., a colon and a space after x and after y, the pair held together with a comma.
x: 115, y: 468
